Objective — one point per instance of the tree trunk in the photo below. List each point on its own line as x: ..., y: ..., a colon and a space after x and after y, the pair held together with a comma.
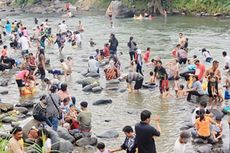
x: 157, y: 7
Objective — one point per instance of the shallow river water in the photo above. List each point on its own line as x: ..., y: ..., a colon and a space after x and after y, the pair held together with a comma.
x: 159, y: 34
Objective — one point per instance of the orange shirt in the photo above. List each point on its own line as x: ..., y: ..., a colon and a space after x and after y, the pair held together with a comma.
x: 203, y: 127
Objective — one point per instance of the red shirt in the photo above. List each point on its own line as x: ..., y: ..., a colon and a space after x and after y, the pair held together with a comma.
x: 146, y: 56
x: 4, y: 53
x: 200, y: 69
x: 106, y: 52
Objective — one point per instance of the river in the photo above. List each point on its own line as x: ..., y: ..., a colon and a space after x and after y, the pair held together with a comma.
x: 161, y: 35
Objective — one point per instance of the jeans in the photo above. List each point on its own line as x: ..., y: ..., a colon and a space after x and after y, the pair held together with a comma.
x: 139, y: 69
x: 54, y: 121
x: 132, y: 55
x: 42, y: 118
x: 190, y: 93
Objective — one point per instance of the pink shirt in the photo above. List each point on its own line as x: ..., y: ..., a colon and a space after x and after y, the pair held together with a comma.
x: 22, y: 74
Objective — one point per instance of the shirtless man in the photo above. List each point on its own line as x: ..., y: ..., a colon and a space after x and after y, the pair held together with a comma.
x: 41, y: 63
x: 182, y: 40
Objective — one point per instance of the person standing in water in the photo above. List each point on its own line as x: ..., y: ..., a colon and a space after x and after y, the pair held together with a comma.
x: 132, y: 46
x: 110, y: 14
x: 113, y: 44
x: 80, y: 26
x: 41, y: 63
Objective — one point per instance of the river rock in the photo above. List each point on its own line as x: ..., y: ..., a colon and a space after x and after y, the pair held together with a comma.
x: 28, y: 104
x: 108, y: 134
x: 93, y: 75
x: 5, y: 135
x: 217, y: 113
x: 102, y: 102
x: 22, y: 110
x: 112, y: 88
x: 122, y: 90
x: 64, y: 133
x: 54, y: 139
x: 204, y: 148
x: 78, y: 136
x: 86, y: 81
x: 97, y: 89
x: 5, y: 107
x: 28, y: 123
x: 113, y: 82
x: 14, y: 124
x: 4, y: 92
x: 86, y: 141
x: 8, y: 119
x: 65, y: 146
x: 120, y: 10
x: 4, y: 83
x: 87, y: 88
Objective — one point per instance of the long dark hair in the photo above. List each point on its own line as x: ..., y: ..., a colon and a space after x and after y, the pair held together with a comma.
x: 201, y: 114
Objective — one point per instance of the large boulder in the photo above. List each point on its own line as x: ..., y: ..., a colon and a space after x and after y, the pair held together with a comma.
x: 22, y: 110
x: 64, y: 133
x: 108, y: 134
x: 28, y: 123
x: 5, y: 107
x: 204, y: 148
x: 86, y: 141
x: 102, y: 102
x: 65, y: 146
x: 217, y: 113
x: 8, y: 119
x: 119, y: 10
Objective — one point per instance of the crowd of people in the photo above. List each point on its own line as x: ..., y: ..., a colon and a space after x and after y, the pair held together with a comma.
x: 59, y: 107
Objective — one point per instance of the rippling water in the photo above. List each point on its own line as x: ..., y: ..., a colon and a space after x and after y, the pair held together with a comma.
x: 161, y: 35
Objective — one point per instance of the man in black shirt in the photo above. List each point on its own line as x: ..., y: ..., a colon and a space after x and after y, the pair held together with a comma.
x: 162, y: 75
x: 145, y: 132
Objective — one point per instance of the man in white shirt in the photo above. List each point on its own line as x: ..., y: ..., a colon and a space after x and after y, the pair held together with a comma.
x: 93, y: 66
x: 62, y: 27
x: 25, y: 44
x: 179, y: 146
x: 226, y: 60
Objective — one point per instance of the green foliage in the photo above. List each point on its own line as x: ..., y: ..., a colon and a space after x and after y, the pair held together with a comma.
x: 3, y: 144
x: 209, y: 6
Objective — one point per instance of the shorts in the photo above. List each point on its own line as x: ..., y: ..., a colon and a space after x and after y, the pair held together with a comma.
x: 182, y: 60
x: 164, y: 85
x: 20, y: 83
x: 138, y: 84
x: 208, y: 59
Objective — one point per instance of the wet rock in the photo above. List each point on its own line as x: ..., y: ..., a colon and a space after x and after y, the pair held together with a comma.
x: 4, y: 83
x: 97, y: 89
x: 120, y: 10
x: 86, y: 141
x: 22, y: 110
x: 78, y: 136
x: 113, y: 82
x: 217, y: 113
x: 54, y: 139
x: 28, y: 104
x: 8, y: 119
x: 102, y: 102
x: 65, y: 146
x: 122, y: 90
x: 4, y: 92
x: 107, y: 120
x: 204, y: 148
x: 64, y: 133
x: 5, y: 135
x: 28, y: 123
x: 21, y: 116
x: 87, y: 88
x: 112, y: 88
x: 5, y: 107
x: 108, y: 134
x: 86, y: 81
x: 93, y: 75
x: 14, y: 124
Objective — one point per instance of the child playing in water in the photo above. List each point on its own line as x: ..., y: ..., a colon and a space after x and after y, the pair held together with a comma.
x: 207, y: 55
x: 152, y: 80
x: 101, y: 148
x: 217, y: 129
x: 176, y: 84
x: 66, y: 68
x: 147, y: 55
x: 181, y: 92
